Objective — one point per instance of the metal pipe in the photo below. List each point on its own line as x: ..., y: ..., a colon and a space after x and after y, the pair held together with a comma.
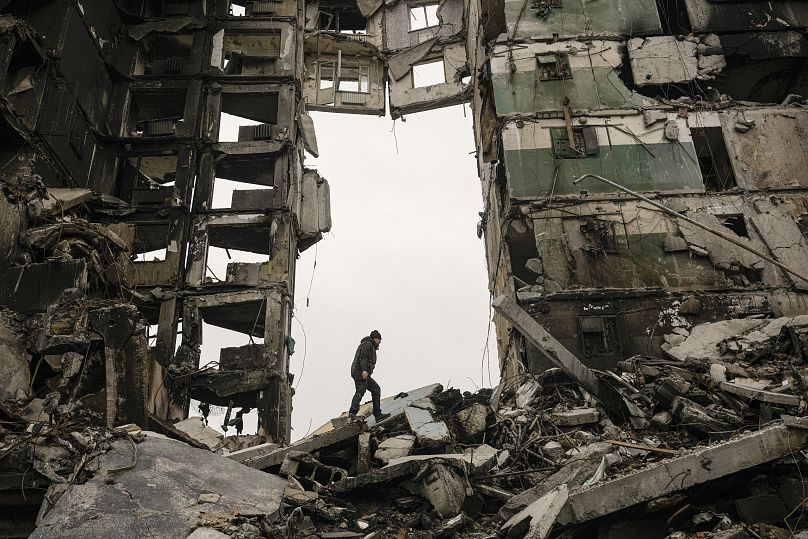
x: 718, y: 233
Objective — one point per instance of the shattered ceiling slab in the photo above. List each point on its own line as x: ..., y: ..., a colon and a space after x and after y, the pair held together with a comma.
x: 669, y: 59
x: 156, y: 492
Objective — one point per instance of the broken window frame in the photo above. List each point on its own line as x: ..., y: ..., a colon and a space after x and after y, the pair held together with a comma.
x: 613, y: 335
x: 426, y: 16
x: 707, y: 159
x: 557, y: 68
x: 601, y: 235
x: 584, y: 137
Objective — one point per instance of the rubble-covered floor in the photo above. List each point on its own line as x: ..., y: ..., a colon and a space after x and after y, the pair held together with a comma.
x: 715, y: 447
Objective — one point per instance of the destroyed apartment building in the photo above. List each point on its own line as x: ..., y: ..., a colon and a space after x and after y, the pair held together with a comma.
x: 643, y: 169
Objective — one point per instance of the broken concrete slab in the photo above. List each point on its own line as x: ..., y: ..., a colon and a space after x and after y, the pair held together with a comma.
x: 258, y: 457
x: 575, y: 417
x: 428, y: 432
x: 680, y: 473
x: 155, y: 491
x: 703, y: 341
x: 760, y: 395
x: 573, y: 474
x: 195, y: 428
x: 306, y: 468
x: 395, y: 405
x: 537, y: 519
x: 395, y: 447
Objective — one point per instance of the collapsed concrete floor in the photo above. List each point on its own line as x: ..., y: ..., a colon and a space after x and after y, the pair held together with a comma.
x: 707, y: 442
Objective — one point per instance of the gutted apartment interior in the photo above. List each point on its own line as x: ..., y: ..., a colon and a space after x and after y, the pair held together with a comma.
x: 695, y: 104
x: 114, y: 139
x: 642, y: 165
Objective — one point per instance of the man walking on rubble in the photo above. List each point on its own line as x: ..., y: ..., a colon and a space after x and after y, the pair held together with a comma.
x: 362, y: 367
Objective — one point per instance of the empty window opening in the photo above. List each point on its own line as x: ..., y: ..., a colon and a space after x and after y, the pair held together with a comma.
x: 237, y: 10
x: 251, y: 54
x: 600, y: 234
x: 600, y: 335
x: 150, y: 241
x: 241, y: 196
x: 219, y: 258
x: 151, y: 334
x: 154, y: 114
x: 248, y: 117
x: 230, y: 126
x: 428, y: 74
x: 354, y: 78
x: 713, y: 158
x: 521, y: 242
x: 736, y: 223
x: 158, y: 255
x: 425, y: 16
x: 343, y: 20
x: 146, y: 179
x: 584, y: 142
x: 673, y: 16
x: 553, y: 67
x: 164, y: 54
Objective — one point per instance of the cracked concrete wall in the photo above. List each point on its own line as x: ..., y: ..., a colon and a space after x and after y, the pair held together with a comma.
x: 406, y: 97
x: 398, y: 23
x: 520, y: 86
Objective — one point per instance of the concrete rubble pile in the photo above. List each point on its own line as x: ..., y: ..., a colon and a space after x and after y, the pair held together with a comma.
x: 711, y: 443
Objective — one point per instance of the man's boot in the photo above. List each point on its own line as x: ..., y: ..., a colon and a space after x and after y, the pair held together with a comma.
x: 380, y: 417
x: 352, y: 417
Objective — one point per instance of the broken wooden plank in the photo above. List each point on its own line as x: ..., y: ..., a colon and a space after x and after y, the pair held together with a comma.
x: 684, y: 472
x: 760, y: 394
x: 555, y: 352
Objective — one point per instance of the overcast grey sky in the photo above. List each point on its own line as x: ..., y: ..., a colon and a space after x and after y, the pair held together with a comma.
x: 402, y: 257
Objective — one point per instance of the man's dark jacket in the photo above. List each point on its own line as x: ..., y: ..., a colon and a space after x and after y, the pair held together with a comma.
x: 365, y: 358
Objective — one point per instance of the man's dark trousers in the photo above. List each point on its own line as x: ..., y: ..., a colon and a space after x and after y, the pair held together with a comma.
x: 362, y: 386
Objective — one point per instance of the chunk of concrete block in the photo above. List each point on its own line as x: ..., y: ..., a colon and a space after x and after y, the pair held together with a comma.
x: 195, y: 428
x: 553, y: 450
x: 575, y: 417
x: 537, y: 519
x: 472, y: 421
x: 395, y: 447
x: 428, y: 432
x: 363, y: 453
x: 444, y: 487
x: 207, y: 533
x: 208, y: 497
x: 482, y: 458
